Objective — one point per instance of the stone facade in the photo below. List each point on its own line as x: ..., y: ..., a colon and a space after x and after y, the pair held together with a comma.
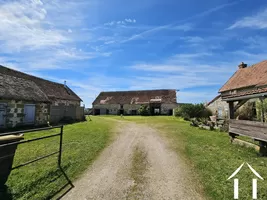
x: 220, y: 106
x: 14, y: 113
x: 129, y: 109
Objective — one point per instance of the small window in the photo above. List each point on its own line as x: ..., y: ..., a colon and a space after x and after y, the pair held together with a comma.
x: 156, y: 110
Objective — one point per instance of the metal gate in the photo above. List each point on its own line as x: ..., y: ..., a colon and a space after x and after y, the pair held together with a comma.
x: 24, y: 141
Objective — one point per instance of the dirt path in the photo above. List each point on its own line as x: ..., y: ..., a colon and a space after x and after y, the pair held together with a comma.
x: 137, y: 165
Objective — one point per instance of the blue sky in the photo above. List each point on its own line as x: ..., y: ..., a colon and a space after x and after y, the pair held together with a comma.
x: 101, y: 45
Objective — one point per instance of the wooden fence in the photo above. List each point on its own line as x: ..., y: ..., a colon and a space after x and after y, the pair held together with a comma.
x: 255, y: 130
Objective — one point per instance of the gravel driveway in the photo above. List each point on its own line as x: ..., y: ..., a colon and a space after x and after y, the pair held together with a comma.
x: 138, y: 165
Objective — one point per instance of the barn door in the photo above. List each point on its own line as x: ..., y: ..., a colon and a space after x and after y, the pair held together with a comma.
x: 29, y: 112
x: 2, y: 115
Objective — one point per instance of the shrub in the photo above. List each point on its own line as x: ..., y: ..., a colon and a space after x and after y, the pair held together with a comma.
x: 245, y: 112
x: 144, y: 110
x: 192, y: 111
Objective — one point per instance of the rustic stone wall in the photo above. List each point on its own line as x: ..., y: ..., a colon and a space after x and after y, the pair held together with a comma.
x: 114, y: 108
x: 219, y: 106
x: 15, y: 113
x: 42, y: 111
x: 129, y: 107
x: 60, y: 102
x: 165, y: 108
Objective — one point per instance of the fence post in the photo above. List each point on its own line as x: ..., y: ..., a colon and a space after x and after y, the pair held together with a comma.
x: 60, y: 146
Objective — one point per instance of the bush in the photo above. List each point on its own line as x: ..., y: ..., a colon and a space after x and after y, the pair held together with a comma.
x: 144, y: 110
x: 192, y: 111
x: 245, y: 112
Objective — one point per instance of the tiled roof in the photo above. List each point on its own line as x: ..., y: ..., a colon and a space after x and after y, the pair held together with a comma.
x: 20, y: 89
x: 51, y: 89
x: 253, y: 76
x: 136, y: 97
x: 244, y: 93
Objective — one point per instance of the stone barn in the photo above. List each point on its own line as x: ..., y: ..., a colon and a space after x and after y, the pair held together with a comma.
x: 160, y: 102
x: 29, y: 100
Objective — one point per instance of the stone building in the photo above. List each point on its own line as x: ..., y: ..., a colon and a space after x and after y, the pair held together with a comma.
x: 160, y: 102
x: 219, y: 107
x: 27, y: 100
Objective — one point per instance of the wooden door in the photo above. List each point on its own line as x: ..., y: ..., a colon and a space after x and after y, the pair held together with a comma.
x: 29, y: 112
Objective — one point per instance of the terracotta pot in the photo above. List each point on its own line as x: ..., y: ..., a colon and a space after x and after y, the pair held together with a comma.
x: 6, y: 162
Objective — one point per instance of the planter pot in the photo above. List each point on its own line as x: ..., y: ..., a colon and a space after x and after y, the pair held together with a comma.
x: 6, y: 162
x: 213, y: 118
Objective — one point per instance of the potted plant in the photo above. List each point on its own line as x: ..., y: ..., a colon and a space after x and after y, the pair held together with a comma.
x: 7, y: 154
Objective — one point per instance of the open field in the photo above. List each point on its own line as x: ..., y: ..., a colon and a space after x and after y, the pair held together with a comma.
x: 82, y: 143
x: 212, y: 156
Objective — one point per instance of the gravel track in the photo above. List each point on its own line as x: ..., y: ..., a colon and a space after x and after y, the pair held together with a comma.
x: 111, y: 177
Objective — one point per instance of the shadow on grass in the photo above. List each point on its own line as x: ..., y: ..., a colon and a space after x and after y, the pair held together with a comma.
x: 64, y: 189
x: 5, y: 193
x: 62, y: 185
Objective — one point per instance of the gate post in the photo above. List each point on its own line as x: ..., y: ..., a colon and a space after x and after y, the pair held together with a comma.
x: 60, y: 146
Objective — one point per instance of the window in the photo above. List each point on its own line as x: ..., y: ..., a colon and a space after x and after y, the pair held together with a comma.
x: 156, y: 110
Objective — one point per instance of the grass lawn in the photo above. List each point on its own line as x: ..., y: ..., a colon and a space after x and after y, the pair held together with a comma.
x: 82, y: 142
x: 212, y: 156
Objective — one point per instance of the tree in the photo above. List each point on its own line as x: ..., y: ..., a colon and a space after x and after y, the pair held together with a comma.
x: 144, y: 110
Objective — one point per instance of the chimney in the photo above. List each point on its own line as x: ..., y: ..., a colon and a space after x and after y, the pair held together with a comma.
x: 242, y: 65
x: 65, y: 83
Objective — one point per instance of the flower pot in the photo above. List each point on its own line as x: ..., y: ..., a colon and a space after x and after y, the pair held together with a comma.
x: 7, y: 154
x: 213, y: 118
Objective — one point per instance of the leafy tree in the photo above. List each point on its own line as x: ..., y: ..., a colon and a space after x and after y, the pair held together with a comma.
x: 144, y: 110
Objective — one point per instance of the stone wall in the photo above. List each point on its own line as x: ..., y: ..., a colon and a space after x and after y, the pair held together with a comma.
x: 220, y: 106
x: 113, y: 109
x: 165, y: 108
x: 42, y: 111
x: 15, y: 113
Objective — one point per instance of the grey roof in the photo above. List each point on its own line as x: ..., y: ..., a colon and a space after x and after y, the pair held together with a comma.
x: 20, y: 89
x: 51, y: 89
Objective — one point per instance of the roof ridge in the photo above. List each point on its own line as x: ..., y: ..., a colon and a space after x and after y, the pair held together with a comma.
x: 30, y: 75
x: 139, y: 90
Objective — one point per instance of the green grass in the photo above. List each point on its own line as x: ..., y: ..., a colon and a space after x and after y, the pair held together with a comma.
x: 138, y: 169
x: 82, y: 143
x: 212, y: 156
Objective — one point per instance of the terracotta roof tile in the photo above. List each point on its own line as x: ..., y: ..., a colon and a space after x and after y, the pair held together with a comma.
x: 136, y: 97
x: 255, y: 75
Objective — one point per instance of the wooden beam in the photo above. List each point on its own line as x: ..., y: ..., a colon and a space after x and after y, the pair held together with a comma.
x: 231, y: 110
x: 262, y: 110
x: 240, y: 103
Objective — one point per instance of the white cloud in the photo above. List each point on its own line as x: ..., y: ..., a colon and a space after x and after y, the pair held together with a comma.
x: 181, y: 24
x: 183, y: 27
x: 122, y: 22
x: 23, y: 25
x: 258, y: 21
x: 40, y: 35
